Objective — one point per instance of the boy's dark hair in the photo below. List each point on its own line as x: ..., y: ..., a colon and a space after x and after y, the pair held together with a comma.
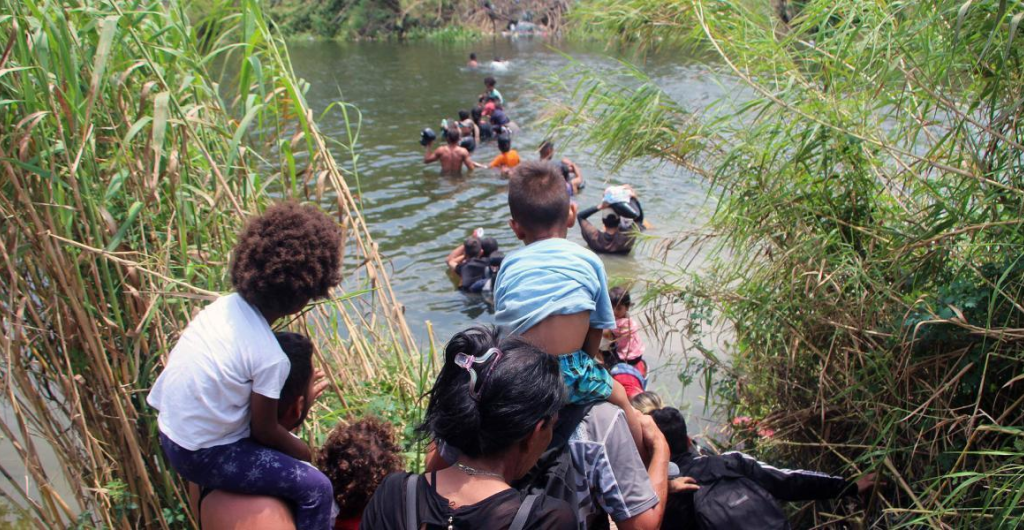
x: 472, y: 56
x: 504, y: 143
x: 537, y: 198
x: 620, y: 297
x: 472, y: 247
x: 489, y: 245
x: 463, y: 115
x: 497, y: 257
x: 611, y: 221
x: 356, y: 459
x: 489, y: 81
x: 299, y: 350
x: 516, y: 390
x: 672, y: 424
x: 286, y: 257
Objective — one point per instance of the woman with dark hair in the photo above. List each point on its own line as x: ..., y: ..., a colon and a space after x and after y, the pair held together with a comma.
x: 495, y: 404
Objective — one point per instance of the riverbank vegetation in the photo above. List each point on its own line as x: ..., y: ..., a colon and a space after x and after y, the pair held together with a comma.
x: 440, y: 20
x: 132, y: 147
x: 866, y: 240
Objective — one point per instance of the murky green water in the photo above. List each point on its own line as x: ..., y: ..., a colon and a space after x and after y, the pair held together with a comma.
x: 417, y: 215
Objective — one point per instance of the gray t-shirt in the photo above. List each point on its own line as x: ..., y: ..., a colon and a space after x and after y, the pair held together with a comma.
x: 611, y: 477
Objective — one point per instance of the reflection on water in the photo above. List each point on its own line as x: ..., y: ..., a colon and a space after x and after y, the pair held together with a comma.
x: 418, y: 215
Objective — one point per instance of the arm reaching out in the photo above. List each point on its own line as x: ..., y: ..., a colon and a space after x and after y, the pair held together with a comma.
x: 266, y: 431
x: 430, y: 155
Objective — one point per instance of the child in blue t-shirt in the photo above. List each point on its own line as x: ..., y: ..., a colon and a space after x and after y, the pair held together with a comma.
x: 555, y: 293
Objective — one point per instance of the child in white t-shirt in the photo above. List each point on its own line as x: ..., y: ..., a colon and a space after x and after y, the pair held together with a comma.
x: 217, y: 396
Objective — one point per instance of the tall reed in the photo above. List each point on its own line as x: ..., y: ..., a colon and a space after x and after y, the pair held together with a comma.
x: 866, y: 175
x: 127, y: 165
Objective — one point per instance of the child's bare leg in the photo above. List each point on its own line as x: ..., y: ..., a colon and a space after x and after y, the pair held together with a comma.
x: 619, y: 399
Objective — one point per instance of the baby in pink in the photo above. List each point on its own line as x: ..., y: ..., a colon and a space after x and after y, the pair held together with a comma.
x: 626, y: 336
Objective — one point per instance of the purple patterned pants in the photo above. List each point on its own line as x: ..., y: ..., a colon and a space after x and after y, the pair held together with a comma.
x: 250, y: 468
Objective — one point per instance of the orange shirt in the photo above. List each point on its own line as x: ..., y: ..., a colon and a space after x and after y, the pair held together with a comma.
x: 509, y: 159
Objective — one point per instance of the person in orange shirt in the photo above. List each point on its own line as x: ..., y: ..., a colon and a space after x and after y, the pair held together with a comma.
x: 509, y: 158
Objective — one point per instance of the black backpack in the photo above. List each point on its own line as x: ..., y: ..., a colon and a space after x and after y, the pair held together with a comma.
x: 728, y: 500
x: 554, y: 475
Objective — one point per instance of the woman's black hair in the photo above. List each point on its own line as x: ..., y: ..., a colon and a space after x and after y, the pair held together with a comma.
x: 522, y: 387
x: 463, y: 115
x: 477, y: 113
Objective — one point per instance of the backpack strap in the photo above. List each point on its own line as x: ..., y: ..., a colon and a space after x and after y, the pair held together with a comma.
x: 411, y: 485
x: 519, y: 522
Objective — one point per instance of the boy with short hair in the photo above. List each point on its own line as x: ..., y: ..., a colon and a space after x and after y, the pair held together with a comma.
x: 492, y: 91
x: 555, y: 293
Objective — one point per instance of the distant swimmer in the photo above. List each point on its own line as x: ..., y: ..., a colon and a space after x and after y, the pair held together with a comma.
x: 498, y: 64
x: 452, y: 156
x: 472, y: 61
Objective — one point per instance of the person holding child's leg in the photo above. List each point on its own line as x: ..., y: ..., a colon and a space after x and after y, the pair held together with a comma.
x: 554, y: 292
x: 217, y: 396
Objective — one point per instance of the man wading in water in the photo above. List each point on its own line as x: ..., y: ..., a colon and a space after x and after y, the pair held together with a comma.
x: 452, y: 156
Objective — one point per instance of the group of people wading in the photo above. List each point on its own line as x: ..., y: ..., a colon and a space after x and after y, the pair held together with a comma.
x: 532, y: 424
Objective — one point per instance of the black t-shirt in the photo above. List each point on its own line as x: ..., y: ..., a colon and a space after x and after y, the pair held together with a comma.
x: 472, y: 270
x: 387, y: 509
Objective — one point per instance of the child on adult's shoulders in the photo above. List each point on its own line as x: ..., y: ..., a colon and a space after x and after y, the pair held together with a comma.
x: 218, y: 394
x: 554, y: 292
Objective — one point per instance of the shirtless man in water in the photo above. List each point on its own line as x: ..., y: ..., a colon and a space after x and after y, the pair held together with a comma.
x: 452, y: 156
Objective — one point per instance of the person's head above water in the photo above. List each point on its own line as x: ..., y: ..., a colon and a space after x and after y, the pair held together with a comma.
x: 672, y: 424
x: 488, y: 245
x: 477, y: 113
x: 496, y: 259
x: 472, y: 57
x: 547, y: 150
x: 539, y: 202
x: 494, y: 396
x: 611, y: 221
x: 490, y: 82
x: 463, y: 115
x: 451, y: 134
x: 504, y: 143
x: 285, y: 258
x: 472, y: 247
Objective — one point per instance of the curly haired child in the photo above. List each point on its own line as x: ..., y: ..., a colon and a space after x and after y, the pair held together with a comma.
x: 218, y: 393
x: 356, y: 458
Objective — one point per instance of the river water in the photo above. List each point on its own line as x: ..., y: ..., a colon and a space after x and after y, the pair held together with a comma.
x: 417, y: 215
